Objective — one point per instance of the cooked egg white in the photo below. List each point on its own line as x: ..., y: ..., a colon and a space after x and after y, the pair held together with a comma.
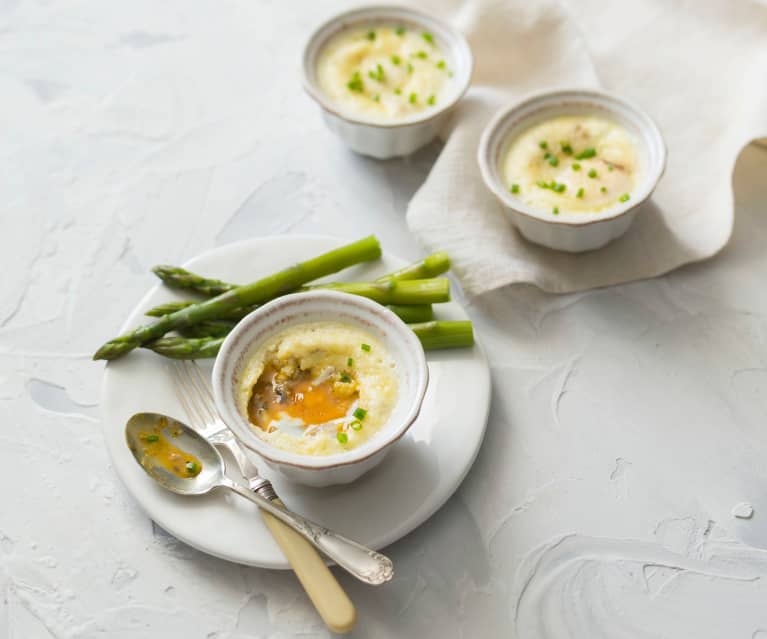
x: 383, y: 73
x: 572, y: 164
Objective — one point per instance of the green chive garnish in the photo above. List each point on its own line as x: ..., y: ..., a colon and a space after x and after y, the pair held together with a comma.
x: 553, y: 160
x: 371, y: 35
x: 603, y: 189
x: 576, y: 166
x: 398, y: 91
x: 356, y: 425
x: 151, y: 438
x: 566, y: 148
x: 586, y: 154
x: 355, y: 84
x: 579, y: 193
x: 192, y: 467
x: 395, y: 60
x: 366, y: 347
x: 592, y: 173
x: 409, y: 68
x: 345, y: 379
x: 625, y: 197
x: 515, y: 188
x: 610, y: 167
x: 543, y: 144
x: 378, y: 74
x: 428, y: 37
x: 432, y: 99
x: 360, y: 413
x: 441, y: 64
x: 421, y: 54
x: 350, y: 362
x: 556, y: 210
x: 413, y: 98
x: 559, y: 188
x: 342, y: 438
x: 400, y: 31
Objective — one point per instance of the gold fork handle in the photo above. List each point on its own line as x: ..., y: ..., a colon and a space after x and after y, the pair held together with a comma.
x: 330, y: 600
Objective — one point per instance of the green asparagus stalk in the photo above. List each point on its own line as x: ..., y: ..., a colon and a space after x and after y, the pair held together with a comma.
x: 177, y: 277
x: 430, y: 266
x: 209, y: 328
x: 254, y: 293
x: 431, y: 291
x: 172, y: 307
x: 219, y: 328
x: 440, y: 334
x: 433, y: 336
x: 413, y: 313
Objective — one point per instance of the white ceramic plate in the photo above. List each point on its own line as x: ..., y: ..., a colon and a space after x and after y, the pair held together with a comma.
x: 414, y: 480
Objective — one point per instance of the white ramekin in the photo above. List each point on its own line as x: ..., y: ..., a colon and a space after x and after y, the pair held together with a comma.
x: 582, y: 231
x: 291, y: 310
x: 404, y: 136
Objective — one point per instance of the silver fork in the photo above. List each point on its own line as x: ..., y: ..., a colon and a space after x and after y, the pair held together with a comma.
x: 197, y: 398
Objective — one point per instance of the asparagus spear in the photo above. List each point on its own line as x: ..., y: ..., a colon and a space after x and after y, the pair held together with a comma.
x: 254, y: 293
x: 172, y: 307
x: 433, y: 336
x: 219, y: 328
x: 177, y: 277
x: 439, y: 335
x: 431, y: 291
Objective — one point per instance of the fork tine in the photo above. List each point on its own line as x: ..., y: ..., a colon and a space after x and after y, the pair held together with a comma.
x: 194, y: 404
x: 202, y: 393
x: 184, y: 397
x: 203, y: 380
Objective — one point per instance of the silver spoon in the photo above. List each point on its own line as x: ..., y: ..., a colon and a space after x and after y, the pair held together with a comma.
x: 365, y: 564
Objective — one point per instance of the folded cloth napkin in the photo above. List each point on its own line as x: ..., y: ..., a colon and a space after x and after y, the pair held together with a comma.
x: 699, y: 68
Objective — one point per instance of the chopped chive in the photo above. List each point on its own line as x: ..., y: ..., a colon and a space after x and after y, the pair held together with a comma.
x: 366, y: 347
x: 350, y: 362
x: 593, y: 173
x: 576, y: 166
x: 625, y: 197
x: 421, y: 55
x: 432, y: 99
x: 586, y: 153
x: 428, y: 37
x: 579, y: 193
x: 610, y: 167
x: 342, y: 438
x: 378, y: 74
x: 543, y: 144
x: 345, y: 379
x: 603, y: 189
x: 151, y: 438
x: 559, y: 188
x: 360, y: 413
x: 441, y: 64
x: 397, y: 91
x: 355, y: 84
x: 515, y: 188
x: 192, y: 467
x: 356, y: 425
x: 395, y: 60
x: 409, y: 67
x: 376, y: 98
x: 566, y: 148
x: 400, y: 31
x: 556, y: 210
x: 553, y: 160
x: 371, y: 35
x: 413, y: 98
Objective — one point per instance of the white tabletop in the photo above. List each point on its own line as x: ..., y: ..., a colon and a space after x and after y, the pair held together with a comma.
x: 626, y: 423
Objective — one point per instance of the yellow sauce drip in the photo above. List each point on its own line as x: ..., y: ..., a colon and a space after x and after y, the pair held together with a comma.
x: 298, y: 397
x: 157, y: 450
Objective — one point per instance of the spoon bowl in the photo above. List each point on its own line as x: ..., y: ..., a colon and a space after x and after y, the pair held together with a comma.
x: 184, y: 438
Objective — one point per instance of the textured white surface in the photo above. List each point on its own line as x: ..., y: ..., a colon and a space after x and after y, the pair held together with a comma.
x: 626, y: 423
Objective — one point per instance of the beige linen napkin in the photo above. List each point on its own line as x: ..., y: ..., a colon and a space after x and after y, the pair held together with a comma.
x: 699, y: 68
